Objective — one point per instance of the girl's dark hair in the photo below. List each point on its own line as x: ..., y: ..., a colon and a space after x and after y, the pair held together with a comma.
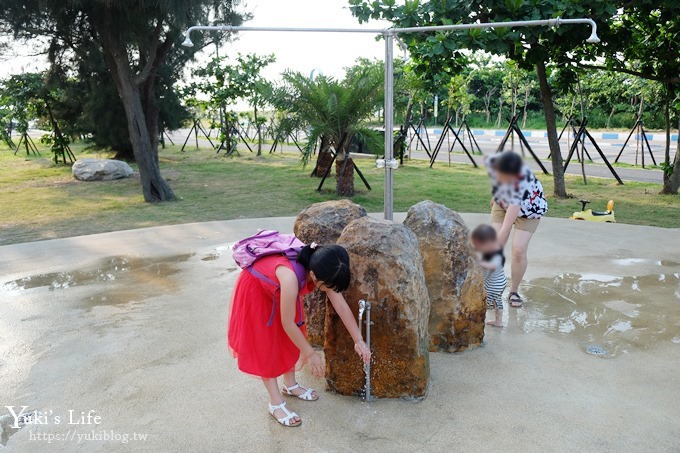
x: 330, y: 264
x: 509, y: 163
x: 484, y: 233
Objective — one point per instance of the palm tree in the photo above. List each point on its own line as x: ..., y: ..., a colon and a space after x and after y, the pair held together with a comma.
x: 336, y: 112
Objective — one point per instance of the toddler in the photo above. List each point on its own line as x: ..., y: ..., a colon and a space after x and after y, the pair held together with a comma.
x: 485, y: 242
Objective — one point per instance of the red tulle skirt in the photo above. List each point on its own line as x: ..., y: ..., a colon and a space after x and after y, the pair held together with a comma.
x: 262, y: 350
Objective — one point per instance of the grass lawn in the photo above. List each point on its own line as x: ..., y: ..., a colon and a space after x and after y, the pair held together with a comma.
x: 41, y: 201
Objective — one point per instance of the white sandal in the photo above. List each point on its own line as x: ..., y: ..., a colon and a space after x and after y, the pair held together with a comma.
x: 285, y: 421
x: 307, y: 396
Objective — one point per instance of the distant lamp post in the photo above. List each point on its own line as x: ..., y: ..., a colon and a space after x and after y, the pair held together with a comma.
x: 389, y: 34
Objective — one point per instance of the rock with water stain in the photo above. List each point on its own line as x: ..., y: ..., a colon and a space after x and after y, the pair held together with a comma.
x: 322, y: 223
x: 454, y: 278
x: 386, y: 271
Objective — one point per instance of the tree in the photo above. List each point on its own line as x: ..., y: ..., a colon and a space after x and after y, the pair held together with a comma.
x: 19, y: 99
x: 486, y: 79
x: 137, y: 39
x: 642, y: 40
x: 406, y: 89
x: 226, y: 81
x: 91, y: 108
x: 337, y: 111
x: 30, y: 96
x: 256, y: 89
x: 437, y: 54
x: 458, y: 98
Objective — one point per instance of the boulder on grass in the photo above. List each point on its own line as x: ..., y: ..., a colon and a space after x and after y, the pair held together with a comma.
x: 454, y: 278
x: 100, y: 170
x: 386, y: 271
x: 322, y: 223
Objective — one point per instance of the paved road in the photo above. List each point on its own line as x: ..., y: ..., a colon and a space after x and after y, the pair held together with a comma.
x: 610, y: 148
x: 489, y: 143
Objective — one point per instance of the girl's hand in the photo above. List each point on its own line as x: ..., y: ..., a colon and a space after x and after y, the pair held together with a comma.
x: 364, y: 352
x: 315, y: 363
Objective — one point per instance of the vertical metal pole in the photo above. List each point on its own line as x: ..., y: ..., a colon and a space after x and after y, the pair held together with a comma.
x: 389, y: 122
x: 368, y: 343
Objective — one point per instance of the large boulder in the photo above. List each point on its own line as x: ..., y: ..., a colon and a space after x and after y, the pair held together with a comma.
x: 322, y: 223
x: 387, y: 272
x: 454, y: 278
x: 100, y: 170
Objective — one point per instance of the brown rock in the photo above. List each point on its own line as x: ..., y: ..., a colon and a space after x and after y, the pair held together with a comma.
x: 454, y: 279
x: 322, y: 223
x: 386, y: 271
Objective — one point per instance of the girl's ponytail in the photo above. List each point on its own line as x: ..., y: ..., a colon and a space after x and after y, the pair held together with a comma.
x: 305, y: 255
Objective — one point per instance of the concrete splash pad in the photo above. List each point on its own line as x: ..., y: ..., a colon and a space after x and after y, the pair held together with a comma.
x: 131, y: 325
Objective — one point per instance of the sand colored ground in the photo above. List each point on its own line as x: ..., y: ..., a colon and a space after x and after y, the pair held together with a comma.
x: 140, y: 339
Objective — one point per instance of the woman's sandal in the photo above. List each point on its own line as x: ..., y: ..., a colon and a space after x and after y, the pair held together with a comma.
x: 285, y: 421
x: 515, y: 300
x: 308, y: 395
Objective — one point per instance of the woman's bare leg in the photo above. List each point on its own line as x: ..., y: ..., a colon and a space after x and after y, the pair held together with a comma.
x: 520, y: 246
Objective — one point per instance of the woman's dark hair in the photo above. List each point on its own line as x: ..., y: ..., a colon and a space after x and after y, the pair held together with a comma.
x: 330, y: 264
x: 484, y: 233
x: 509, y: 163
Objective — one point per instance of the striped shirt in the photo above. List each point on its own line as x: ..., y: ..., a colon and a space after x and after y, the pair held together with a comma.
x: 494, y: 279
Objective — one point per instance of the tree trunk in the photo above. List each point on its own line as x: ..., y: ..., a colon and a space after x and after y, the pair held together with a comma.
x: 259, y: 131
x: 524, y: 108
x: 144, y: 141
x: 674, y: 179
x: 409, y: 112
x: 500, y: 112
x: 151, y: 113
x: 671, y: 174
x: 611, y: 115
x: 344, y: 169
x: 560, y: 189
x: 324, y: 159
x: 487, y: 103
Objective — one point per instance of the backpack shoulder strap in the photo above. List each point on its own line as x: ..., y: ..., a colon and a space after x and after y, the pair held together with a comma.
x: 301, y: 275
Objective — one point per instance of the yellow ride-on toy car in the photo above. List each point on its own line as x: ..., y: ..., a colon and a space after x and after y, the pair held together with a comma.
x: 595, y: 216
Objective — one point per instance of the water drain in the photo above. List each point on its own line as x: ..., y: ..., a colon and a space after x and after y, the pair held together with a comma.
x: 594, y: 349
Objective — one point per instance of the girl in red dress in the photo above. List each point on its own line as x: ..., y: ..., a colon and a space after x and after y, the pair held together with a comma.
x: 267, y: 331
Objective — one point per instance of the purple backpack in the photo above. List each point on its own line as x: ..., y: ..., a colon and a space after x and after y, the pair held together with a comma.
x: 267, y: 243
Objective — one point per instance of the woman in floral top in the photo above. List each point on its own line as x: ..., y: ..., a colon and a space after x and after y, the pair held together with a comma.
x: 517, y: 199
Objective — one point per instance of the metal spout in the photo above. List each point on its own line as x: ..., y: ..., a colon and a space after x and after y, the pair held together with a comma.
x: 365, y: 306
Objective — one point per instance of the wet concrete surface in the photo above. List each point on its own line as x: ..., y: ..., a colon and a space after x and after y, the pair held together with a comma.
x: 138, y: 337
x: 604, y: 314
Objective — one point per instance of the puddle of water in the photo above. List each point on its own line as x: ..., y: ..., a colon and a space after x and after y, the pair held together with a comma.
x: 121, y: 279
x: 212, y: 256
x: 8, y: 425
x: 606, y: 315
x: 630, y: 261
x: 639, y: 261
